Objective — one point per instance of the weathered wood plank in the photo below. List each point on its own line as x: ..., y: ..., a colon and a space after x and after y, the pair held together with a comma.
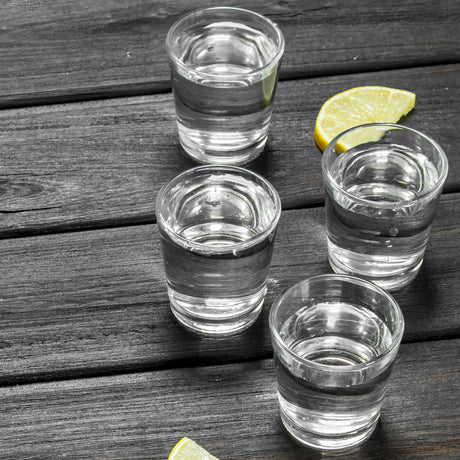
x: 101, y: 163
x: 70, y: 51
x: 230, y: 409
x: 95, y: 302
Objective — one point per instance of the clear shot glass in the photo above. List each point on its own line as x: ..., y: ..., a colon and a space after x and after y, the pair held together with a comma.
x: 383, y: 182
x: 217, y: 226
x: 335, y: 338
x: 224, y: 70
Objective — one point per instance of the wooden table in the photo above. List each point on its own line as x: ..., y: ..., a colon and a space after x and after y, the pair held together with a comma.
x: 92, y: 364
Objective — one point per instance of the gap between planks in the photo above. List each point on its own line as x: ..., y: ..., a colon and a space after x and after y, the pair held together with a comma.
x: 131, y: 369
x: 146, y: 219
x: 148, y: 89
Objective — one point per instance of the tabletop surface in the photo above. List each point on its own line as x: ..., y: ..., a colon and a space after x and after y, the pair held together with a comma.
x: 92, y: 363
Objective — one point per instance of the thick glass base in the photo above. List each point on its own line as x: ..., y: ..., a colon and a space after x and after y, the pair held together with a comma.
x: 222, y: 148
x: 216, y: 317
x: 323, y: 441
x: 389, y: 272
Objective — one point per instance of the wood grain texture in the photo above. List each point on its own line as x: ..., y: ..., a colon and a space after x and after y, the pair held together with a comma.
x: 92, y: 363
x: 101, y: 163
x: 95, y: 302
x: 67, y: 51
x: 230, y: 409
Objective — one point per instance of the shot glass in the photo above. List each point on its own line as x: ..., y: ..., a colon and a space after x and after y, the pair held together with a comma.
x: 217, y: 227
x: 224, y: 70
x: 335, y: 338
x: 383, y: 182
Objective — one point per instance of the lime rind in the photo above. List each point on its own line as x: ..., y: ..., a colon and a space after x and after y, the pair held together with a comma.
x: 360, y: 105
x: 269, y: 84
x: 186, y: 449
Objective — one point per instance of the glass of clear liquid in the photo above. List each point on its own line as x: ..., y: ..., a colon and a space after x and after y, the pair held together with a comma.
x: 224, y: 70
x: 383, y: 183
x: 217, y: 227
x: 335, y: 338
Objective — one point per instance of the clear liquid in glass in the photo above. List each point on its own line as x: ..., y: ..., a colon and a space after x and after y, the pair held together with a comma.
x: 223, y: 106
x: 328, y: 410
x: 216, y: 261
x: 384, y: 244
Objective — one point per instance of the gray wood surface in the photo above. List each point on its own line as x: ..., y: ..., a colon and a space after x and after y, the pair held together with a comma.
x: 101, y: 163
x: 230, y: 409
x: 67, y: 51
x: 92, y: 363
x: 95, y: 302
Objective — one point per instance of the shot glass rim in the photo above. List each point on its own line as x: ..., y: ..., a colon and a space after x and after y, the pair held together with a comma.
x: 222, y: 77
x: 227, y: 248
x: 382, y: 204
x: 396, y: 337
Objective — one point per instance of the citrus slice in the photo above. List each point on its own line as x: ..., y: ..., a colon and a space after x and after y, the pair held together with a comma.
x: 360, y: 105
x: 186, y: 449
